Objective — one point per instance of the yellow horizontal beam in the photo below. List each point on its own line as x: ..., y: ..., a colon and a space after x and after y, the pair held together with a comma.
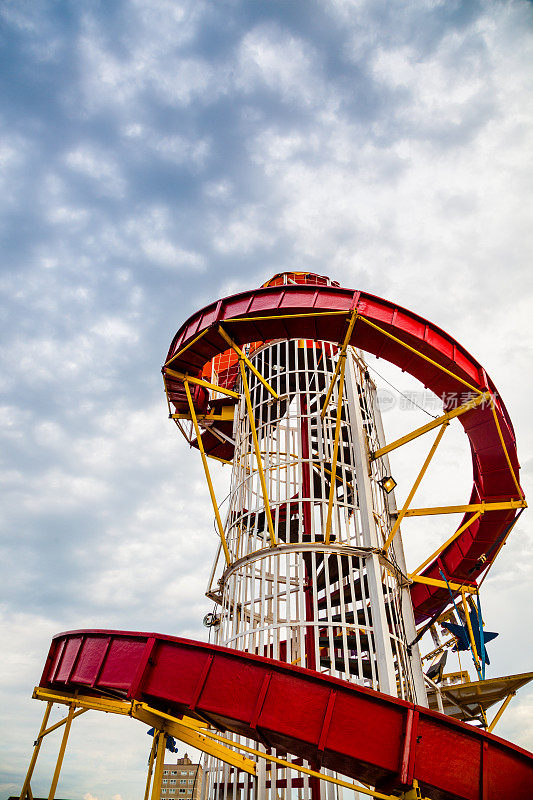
x: 217, y: 458
x: 181, y: 376
x: 457, y: 587
x: 476, y: 401
x: 83, y: 701
x: 483, y: 507
x: 226, y: 415
x: 288, y: 316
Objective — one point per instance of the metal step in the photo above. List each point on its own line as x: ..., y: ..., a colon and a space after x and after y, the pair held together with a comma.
x: 353, y: 665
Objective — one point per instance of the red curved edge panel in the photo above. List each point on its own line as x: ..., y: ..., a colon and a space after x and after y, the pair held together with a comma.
x: 329, y: 722
x: 198, y: 341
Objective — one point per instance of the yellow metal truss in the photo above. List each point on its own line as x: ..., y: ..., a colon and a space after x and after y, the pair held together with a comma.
x: 189, y: 731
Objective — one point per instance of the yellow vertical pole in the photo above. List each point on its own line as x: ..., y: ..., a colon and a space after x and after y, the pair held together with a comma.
x: 159, y: 764
x: 151, y: 765
x: 207, y: 474
x: 470, y: 633
x: 257, y: 453
x: 416, y: 484
x: 61, y: 754
x: 36, y: 747
x: 332, y: 486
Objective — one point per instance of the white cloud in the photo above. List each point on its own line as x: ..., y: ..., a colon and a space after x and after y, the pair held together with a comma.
x: 284, y: 64
x: 99, y: 167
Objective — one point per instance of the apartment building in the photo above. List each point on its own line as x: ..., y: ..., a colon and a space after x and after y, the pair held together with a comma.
x: 182, y: 780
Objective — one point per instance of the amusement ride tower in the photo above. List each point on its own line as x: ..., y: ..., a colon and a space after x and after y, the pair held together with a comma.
x: 305, y: 579
x: 312, y: 682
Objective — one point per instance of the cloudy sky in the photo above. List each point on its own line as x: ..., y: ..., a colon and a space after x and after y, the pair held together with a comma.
x: 158, y: 154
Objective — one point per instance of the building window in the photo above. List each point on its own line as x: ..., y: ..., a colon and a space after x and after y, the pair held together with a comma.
x: 172, y: 780
x: 165, y: 772
x: 182, y: 791
x: 165, y: 780
x: 171, y: 791
x: 174, y: 772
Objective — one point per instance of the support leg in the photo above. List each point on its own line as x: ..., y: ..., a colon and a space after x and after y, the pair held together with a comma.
x: 160, y: 761
x: 153, y: 751
x: 36, y: 747
x: 61, y: 755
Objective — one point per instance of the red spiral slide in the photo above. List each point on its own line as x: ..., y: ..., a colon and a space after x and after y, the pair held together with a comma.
x: 406, y: 340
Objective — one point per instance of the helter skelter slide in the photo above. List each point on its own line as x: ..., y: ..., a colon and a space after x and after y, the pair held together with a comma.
x: 316, y: 684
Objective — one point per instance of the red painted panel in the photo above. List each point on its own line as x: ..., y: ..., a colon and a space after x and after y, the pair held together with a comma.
x: 122, y: 661
x: 69, y: 655
x: 90, y: 660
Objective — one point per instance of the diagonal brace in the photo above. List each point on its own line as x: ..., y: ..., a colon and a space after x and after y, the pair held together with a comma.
x: 247, y: 361
x: 476, y: 401
x: 207, y: 474
x: 416, y: 484
x: 344, y: 347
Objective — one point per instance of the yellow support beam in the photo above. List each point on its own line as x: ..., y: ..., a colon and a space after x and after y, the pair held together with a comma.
x: 153, y: 750
x: 61, y: 754
x: 188, y: 730
x: 226, y: 415
x: 303, y: 770
x: 287, y: 316
x: 83, y: 701
x: 452, y: 538
x: 457, y: 587
x: 207, y: 474
x: 500, y: 434
x: 182, y: 376
x: 62, y: 722
x: 476, y: 401
x: 483, y: 507
x: 333, y: 481
x: 159, y: 764
x: 183, y: 349
x: 344, y: 348
x: 471, y: 633
x: 500, y: 711
x: 248, y: 363
x: 257, y: 453
x: 36, y: 747
x: 415, y: 486
x: 418, y: 353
